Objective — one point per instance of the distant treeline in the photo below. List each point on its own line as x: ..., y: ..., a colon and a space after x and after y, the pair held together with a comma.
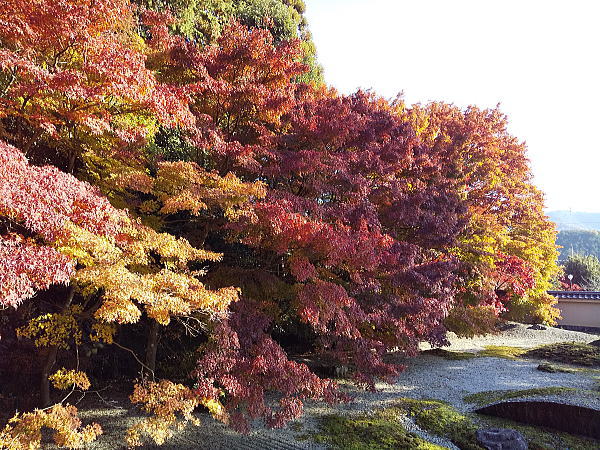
x: 578, y: 241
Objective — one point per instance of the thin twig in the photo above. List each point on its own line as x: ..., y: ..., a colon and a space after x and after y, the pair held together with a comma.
x: 136, y: 358
x: 97, y: 392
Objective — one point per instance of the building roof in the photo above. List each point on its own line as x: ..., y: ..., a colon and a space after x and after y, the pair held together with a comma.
x: 594, y: 295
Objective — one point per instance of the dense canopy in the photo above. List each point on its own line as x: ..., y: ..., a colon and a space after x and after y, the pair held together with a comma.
x: 177, y: 183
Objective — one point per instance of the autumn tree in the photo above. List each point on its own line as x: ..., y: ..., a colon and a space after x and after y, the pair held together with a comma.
x: 504, y: 209
x: 204, y: 21
x: 73, y: 81
x: 348, y: 176
x: 350, y: 243
x: 179, y: 163
x: 116, y: 265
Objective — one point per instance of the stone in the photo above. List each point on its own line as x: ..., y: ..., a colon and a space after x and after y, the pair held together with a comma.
x: 536, y: 326
x: 501, y: 439
x: 551, y: 368
x: 506, y: 326
x: 547, y: 368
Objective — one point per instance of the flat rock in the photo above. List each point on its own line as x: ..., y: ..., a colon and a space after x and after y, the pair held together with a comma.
x: 551, y: 368
x: 507, y: 326
x: 501, y: 439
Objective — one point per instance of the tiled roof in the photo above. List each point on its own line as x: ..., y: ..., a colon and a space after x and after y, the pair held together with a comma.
x: 594, y: 295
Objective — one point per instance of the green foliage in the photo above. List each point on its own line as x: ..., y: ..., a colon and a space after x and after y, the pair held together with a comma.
x: 575, y: 353
x: 315, y: 73
x: 380, y: 430
x: 298, y: 5
x: 584, y: 242
x: 282, y: 21
x: 202, y: 21
x: 198, y: 20
x: 585, y: 270
x: 170, y: 144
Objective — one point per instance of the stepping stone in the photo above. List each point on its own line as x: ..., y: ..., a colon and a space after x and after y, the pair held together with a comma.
x: 501, y: 439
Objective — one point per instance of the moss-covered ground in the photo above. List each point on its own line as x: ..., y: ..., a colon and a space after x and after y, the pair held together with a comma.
x: 379, y: 430
x: 502, y: 351
x: 489, y: 397
x: 575, y: 353
x: 497, y: 351
x: 449, y: 354
x: 539, y: 438
x: 572, y: 353
x: 441, y: 419
x: 383, y: 429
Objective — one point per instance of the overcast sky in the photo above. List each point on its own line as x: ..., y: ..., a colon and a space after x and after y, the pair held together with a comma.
x: 539, y: 59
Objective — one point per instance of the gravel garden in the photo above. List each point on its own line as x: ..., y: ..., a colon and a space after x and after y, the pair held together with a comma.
x: 430, y: 406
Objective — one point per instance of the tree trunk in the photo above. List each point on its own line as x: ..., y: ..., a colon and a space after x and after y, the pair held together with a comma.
x: 72, y: 160
x: 30, y: 143
x: 51, y: 359
x: 152, y: 345
x: 45, y: 382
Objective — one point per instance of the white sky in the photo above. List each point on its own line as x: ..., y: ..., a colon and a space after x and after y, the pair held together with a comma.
x: 539, y: 59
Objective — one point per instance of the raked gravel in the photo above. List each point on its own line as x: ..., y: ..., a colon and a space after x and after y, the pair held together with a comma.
x: 425, y: 377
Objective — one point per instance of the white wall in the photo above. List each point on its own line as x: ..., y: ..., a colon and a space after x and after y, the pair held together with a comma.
x: 579, y: 312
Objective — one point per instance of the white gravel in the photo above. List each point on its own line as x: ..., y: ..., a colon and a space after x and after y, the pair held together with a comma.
x: 518, y: 335
x: 425, y: 377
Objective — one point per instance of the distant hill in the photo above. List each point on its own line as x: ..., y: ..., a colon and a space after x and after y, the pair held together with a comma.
x: 573, y: 220
x: 579, y: 232
x: 584, y: 242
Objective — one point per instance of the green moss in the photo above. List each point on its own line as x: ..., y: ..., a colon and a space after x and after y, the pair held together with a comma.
x: 502, y: 351
x: 441, y: 419
x: 539, y: 438
x: 447, y: 354
x: 380, y: 430
x: 575, y: 353
x: 488, y: 397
